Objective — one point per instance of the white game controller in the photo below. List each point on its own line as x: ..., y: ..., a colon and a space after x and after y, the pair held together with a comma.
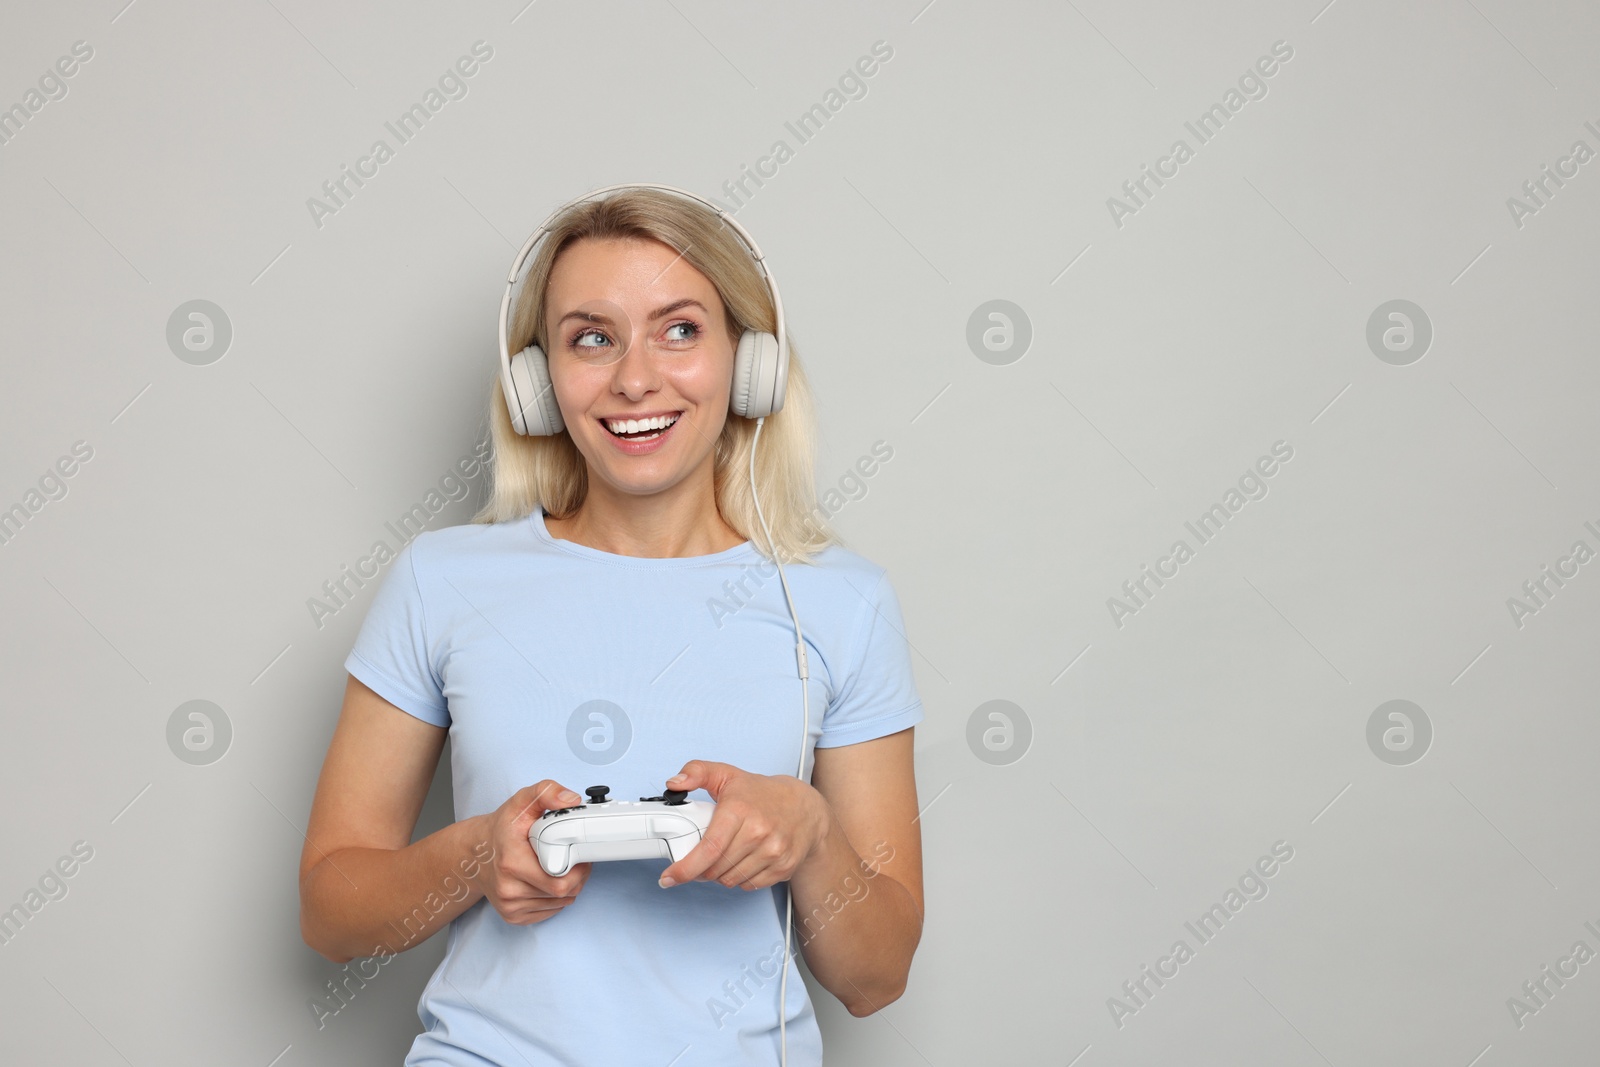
x: 667, y: 827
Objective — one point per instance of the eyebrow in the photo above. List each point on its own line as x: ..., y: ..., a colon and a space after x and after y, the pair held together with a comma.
x: 658, y: 313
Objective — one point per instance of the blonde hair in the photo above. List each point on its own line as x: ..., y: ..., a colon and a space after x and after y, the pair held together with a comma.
x: 550, y: 472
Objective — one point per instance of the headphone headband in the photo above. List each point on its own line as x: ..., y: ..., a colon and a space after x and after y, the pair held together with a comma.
x: 523, y: 256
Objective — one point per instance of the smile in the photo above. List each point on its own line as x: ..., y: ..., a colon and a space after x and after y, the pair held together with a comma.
x: 641, y: 429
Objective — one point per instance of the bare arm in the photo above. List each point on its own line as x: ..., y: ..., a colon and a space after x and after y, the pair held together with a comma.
x: 847, y: 843
x: 365, y: 889
x: 858, y: 897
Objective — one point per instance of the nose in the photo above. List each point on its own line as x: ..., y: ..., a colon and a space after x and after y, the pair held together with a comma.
x: 635, y: 374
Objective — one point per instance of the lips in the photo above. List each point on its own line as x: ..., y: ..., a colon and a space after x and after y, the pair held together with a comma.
x: 643, y: 432
x: 644, y: 442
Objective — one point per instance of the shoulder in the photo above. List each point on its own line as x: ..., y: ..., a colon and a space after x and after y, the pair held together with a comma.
x: 836, y: 564
x: 842, y: 582
x: 447, y: 543
x: 469, y: 549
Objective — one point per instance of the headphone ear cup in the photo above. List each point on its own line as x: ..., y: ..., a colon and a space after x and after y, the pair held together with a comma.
x: 760, y: 372
x: 534, y: 411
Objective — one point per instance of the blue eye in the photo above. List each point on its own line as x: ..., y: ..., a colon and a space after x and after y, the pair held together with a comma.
x: 689, y: 325
x: 585, y: 333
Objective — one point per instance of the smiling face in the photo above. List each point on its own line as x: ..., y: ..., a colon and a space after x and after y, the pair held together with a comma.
x: 634, y: 332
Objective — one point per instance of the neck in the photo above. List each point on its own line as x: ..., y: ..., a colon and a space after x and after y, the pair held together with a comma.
x: 681, y: 521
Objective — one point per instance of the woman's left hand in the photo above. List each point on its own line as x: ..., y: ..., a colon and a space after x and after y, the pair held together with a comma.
x: 764, y: 826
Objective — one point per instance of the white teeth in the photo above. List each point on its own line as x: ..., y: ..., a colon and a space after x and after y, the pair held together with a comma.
x: 659, y: 422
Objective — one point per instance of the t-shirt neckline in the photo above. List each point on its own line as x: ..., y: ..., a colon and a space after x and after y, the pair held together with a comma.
x: 743, y: 550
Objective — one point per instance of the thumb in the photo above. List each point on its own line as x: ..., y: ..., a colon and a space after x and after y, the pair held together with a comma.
x: 533, y: 801
x: 701, y: 774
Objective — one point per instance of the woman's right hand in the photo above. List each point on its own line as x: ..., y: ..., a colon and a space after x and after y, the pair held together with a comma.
x: 514, y: 882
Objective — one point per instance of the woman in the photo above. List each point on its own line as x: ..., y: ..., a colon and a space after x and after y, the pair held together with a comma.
x: 609, y: 617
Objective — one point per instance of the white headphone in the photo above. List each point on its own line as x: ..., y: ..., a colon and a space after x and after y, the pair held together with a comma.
x: 760, y: 364
x: 760, y: 372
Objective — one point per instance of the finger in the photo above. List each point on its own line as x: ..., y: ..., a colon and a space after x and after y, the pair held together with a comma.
x: 546, y: 890
x: 523, y: 878
x: 523, y: 868
x: 542, y: 916
x: 743, y: 859
x: 531, y: 897
x: 762, y: 879
x: 719, y: 834
x: 534, y: 800
x: 525, y: 914
x: 566, y: 885
x: 744, y: 873
x: 522, y: 912
x: 703, y: 774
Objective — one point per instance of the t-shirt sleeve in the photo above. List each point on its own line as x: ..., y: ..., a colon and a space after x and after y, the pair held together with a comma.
x: 392, y: 654
x: 878, y: 696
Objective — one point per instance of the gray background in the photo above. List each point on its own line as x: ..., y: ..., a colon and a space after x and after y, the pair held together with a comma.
x: 1169, y: 353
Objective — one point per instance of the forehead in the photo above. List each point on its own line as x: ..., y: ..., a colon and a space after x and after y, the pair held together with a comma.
x: 623, y: 269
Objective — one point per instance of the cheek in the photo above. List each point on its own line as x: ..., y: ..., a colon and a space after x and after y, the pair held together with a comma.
x: 709, y: 380
x: 575, y: 388
x: 716, y: 386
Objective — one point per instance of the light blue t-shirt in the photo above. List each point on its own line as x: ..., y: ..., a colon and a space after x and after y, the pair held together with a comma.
x: 550, y: 659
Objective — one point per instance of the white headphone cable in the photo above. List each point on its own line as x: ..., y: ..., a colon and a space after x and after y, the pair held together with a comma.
x: 805, y: 731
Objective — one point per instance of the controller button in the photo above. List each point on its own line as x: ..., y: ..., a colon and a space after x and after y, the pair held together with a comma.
x: 597, y: 793
x: 675, y: 796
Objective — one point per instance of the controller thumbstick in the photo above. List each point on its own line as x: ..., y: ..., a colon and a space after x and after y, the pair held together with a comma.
x: 675, y: 796
x: 597, y: 793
